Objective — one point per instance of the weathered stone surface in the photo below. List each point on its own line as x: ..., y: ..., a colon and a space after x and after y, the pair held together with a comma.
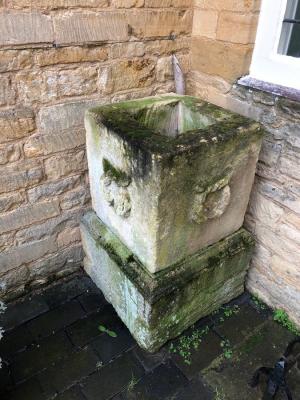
x: 229, y: 5
x: 11, y: 200
x: 88, y: 28
x: 153, y: 172
x: 53, y: 120
x: 74, y: 82
x: 13, y: 278
x: 51, y: 227
x: 127, y: 3
x: 68, y: 55
x: 7, y: 91
x: 127, y: 50
x: 237, y: 28
x: 48, y: 144
x: 43, y: 87
x: 205, y: 23
x: 57, y: 167
x: 54, y: 4
x: 52, y: 189
x: 28, y: 215
x: 61, y: 264
x: 9, y: 153
x: 68, y: 237
x: 146, y: 298
x: 14, y: 60
x: 209, y: 56
x: 154, y: 23
x: 164, y: 69
x: 16, y: 123
x: 25, y: 28
x: 24, y: 254
x: 126, y: 75
x: 21, y: 175
x: 75, y: 198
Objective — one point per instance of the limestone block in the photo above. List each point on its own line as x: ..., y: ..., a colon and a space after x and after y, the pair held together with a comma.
x: 16, y: 123
x: 127, y: 50
x: 205, y: 23
x: 88, y: 28
x: 211, y: 57
x: 167, y: 46
x: 58, y: 265
x: 14, y: 60
x: 24, y: 254
x: 46, y: 144
x: 52, y: 189
x: 50, y: 227
x: 73, y: 82
x: 54, y: 120
x: 185, y: 164
x: 9, y: 153
x: 229, y: 5
x: 13, y: 279
x: 28, y: 215
x: 158, y: 307
x: 20, y: 175
x: 68, y: 55
x: 7, y: 91
x: 25, y: 28
x: 10, y: 201
x: 78, y: 197
x: 164, y: 69
x: 68, y: 236
x: 237, y: 28
x: 153, y: 23
x: 127, y: 3
x: 289, y: 164
x: 62, y: 165
x: 54, y: 4
x: 127, y: 74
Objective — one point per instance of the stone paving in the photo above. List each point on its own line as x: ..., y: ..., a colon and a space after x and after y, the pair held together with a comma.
x: 53, y: 348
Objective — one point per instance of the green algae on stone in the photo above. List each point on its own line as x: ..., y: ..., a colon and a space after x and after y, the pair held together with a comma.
x: 157, y: 307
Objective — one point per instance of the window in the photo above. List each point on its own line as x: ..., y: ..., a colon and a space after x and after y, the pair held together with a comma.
x: 276, y: 56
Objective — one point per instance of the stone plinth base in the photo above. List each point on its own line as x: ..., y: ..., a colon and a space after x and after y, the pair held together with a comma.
x: 158, y: 307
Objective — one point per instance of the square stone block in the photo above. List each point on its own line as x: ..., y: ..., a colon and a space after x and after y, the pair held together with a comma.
x: 158, y: 307
x: 170, y: 175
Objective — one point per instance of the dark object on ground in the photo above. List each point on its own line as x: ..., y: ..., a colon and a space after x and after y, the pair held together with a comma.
x: 276, y: 377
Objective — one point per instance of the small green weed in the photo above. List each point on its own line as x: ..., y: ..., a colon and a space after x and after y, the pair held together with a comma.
x: 227, y: 312
x: 187, y: 344
x: 219, y: 395
x: 282, y: 318
x: 259, y: 304
x: 105, y: 330
x: 132, y: 383
x: 227, y: 349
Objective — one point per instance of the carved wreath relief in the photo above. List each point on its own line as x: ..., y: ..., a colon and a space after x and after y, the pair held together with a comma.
x: 114, y: 184
x: 210, y: 202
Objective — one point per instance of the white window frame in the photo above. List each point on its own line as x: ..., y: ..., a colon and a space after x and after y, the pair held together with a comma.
x: 267, y: 65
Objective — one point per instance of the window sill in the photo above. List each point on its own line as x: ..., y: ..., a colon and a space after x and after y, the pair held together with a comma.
x: 278, y: 90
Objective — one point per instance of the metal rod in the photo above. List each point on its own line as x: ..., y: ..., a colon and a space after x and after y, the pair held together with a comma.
x: 292, y: 21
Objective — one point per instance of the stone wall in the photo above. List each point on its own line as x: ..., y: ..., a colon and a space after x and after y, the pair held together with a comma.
x: 57, y: 58
x: 223, y: 37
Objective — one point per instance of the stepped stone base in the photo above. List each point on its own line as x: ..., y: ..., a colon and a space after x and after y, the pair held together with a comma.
x: 158, y: 307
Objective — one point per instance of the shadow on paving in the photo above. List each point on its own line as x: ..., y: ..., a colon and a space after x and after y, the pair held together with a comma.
x: 53, y: 349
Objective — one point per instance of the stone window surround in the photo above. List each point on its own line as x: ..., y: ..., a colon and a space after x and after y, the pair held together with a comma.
x: 267, y: 65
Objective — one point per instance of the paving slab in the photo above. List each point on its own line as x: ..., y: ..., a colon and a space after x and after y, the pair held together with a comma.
x: 40, y: 356
x: 209, y: 349
x: 86, y: 329
x: 62, y: 376
x: 56, y: 319
x: 108, y: 347
x: 230, y: 378
x: 22, y: 311
x: 162, y: 383
x: 112, y: 378
x: 73, y: 393
x: 92, y: 302
x: 29, y: 390
x: 195, y: 390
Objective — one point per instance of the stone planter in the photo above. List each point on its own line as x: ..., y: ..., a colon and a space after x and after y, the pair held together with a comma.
x: 170, y: 177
